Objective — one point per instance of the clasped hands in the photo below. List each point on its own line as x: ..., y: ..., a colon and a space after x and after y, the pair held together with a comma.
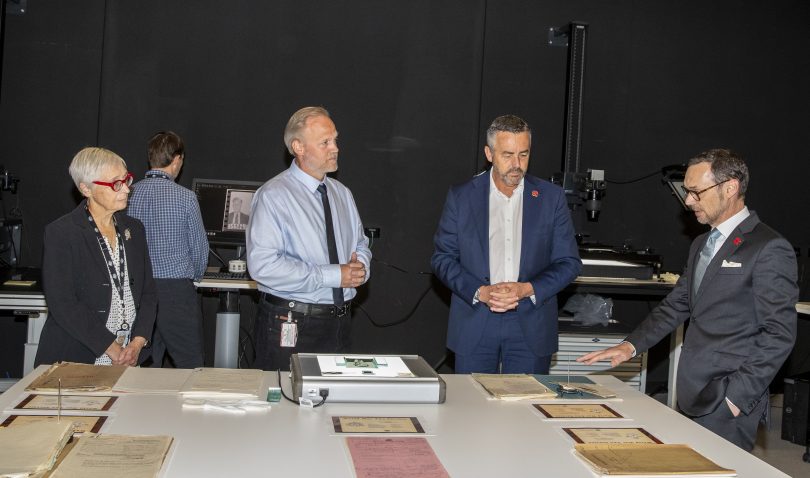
x: 352, y: 274
x: 126, y: 355
x: 504, y: 296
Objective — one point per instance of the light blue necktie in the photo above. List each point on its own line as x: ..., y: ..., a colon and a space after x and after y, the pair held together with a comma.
x: 705, y: 257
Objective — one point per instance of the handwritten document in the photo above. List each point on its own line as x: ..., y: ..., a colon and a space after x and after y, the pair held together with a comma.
x: 646, y: 459
x: 103, y: 456
x: 577, y: 410
x: 77, y: 377
x: 96, y: 403
x: 402, y: 457
x: 611, y: 435
x: 81, y: 423
x: 513, y: 386
x: 223, y: 383
x: 377, y: 425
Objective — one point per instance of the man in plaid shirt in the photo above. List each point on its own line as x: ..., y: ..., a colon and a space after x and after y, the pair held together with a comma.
x: 178, y: 248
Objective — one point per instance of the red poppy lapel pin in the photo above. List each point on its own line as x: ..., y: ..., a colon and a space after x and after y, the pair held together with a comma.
x: 737, y: 241
x: 535, y: 193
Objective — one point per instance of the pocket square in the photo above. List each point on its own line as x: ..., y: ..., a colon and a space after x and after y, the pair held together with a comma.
x: 731, y: 264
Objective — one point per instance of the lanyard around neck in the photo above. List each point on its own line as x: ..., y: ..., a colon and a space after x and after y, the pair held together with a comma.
x: 117, y: 277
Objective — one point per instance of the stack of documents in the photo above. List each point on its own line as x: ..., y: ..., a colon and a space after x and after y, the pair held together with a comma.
x: 513, y: 386
x: 104, y: 456
x: 31, y: 449
x: 612, y: 460
x: 223, y: 384
x: 77, y: 377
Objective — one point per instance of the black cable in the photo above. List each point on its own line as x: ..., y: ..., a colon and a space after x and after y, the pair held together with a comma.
x: 213, y: 253
x: 278, y: 370
x: 403, y: 319
x: 413, y: 309
x: 399, y: 269
x: 635, y: 180
x: 323, y: 392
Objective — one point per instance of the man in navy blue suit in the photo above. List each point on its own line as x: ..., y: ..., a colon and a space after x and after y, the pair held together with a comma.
x: 505, y: 246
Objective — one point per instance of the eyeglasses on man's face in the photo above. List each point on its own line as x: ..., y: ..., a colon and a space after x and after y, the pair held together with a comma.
x: 118, y: 183
x: 696, y: 194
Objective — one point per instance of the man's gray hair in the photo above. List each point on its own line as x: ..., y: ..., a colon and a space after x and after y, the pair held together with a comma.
x: 297, y: 122
x: 725, y: 164
x: 88, y: 164
x: 509, y: 124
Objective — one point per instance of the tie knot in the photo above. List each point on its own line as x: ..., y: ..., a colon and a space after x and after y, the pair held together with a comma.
x: 322, y: 189
x: 713, y: 236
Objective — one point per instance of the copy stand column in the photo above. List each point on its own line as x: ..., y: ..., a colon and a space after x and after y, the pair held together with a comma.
x: 227, y: 342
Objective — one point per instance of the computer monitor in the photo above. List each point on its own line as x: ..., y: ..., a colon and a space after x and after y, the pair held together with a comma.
x: 225, y: 208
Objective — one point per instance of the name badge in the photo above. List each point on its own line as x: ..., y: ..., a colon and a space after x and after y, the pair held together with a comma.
x: 289, y: 332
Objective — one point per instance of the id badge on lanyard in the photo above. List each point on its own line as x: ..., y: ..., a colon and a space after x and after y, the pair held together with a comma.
x: 122, y: 334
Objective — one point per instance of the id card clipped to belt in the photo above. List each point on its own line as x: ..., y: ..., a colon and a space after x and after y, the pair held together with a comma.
x: 289, y: 332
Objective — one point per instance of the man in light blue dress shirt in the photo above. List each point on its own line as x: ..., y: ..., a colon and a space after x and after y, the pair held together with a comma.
x: 305, y: 303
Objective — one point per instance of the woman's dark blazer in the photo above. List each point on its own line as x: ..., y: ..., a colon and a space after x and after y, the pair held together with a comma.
x: 78, y: 290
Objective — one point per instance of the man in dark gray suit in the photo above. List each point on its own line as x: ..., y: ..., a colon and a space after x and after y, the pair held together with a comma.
x: 739, y: 290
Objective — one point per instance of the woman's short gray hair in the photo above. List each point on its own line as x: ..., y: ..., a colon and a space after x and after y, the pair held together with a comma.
x: 297, y: 122
x: 88, y: 163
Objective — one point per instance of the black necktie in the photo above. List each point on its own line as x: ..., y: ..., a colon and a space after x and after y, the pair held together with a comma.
x: 337, y: 292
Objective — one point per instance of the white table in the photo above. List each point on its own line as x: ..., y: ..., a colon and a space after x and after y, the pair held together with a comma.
x: 471, y: 435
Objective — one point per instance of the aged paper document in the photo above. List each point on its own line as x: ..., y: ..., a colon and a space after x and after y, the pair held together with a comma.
x: 402, y: 457
x: 95, y: 403
x: 152, y: 380
x: 513, y: 386
x: 377, y: 425
x: 77, y: 377
x: 105, y: 456
x: 32, y: 448
x: 81, y: 423
x: 611, y: 435
x: 645, y: 459
x: 576, y: 410
x: 223, y: 383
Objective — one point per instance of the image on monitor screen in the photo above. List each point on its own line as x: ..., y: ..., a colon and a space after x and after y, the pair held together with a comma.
x: 225, y: 208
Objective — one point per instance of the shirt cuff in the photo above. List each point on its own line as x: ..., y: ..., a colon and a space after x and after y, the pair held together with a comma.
x: 330, y: 275
x: 632, y: 347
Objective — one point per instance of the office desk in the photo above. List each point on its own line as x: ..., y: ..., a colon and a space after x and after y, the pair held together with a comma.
x: 471, y: 435
x: 28, y: 301
x: 226, y: 343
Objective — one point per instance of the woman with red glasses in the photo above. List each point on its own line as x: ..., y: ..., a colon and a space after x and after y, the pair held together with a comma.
x: 96, y: 272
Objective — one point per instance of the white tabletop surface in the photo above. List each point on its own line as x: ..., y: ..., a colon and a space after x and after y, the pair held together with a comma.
x: 472, y: 435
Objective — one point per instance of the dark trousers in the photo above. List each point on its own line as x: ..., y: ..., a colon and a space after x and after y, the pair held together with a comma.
x: 315, y: 335
x: 179, y: 326
x: 502, y: 349
x: 740, y: 430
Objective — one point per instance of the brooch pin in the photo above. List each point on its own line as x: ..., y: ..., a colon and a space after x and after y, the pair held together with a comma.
x: 127, y: 234
x: 737, y: 241
x: 535, y: 193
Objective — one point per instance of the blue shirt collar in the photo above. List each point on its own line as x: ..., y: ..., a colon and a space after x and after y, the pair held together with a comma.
x: 304, y: 178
